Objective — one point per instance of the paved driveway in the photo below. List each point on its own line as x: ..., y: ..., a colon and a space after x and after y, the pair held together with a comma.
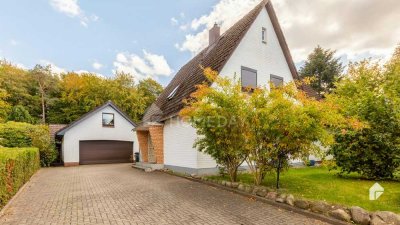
x: 119, y: 194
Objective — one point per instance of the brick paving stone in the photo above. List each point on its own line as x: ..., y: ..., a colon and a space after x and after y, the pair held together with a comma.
x: 119, y: 194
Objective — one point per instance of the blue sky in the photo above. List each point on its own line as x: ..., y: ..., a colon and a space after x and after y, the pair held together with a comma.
x: 154, y: 38
x: 34, y: 32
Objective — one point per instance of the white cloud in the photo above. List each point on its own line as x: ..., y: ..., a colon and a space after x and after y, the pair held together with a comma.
x: 174, y: 21
x: 54, y: 68
x: 88, y: 72
x: 225, y: 13
x: 97, y: 65
x: 59, y: 70
x: 184, y: 27
x: 72, y: 9
x: 353, y: 28
x: 150, y: 65
x: 21, y: 66
x: 68, y: 7
x: 356, y: 29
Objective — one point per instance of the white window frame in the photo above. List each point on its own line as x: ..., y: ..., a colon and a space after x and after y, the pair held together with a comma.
x: 264, y: 35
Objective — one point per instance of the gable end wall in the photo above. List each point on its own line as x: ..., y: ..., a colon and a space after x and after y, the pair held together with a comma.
x: 91, y: 129
x: 266, y: 58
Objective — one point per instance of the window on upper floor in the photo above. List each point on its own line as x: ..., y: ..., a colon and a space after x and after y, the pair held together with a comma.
x: 276, y: 80
x: 249, y: 78
x: 108, y: 119
x: 264, y: 35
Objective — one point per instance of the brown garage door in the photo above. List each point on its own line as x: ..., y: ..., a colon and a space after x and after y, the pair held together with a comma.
x: 93, y: 152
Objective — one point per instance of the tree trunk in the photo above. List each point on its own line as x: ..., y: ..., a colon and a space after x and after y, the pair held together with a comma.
x: 233, y: 173
x: 43, y: 109
x: 278, y: 172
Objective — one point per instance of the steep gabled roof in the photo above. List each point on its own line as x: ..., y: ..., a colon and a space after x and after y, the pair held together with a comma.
x: 214, y: 56
x: 87, y: 115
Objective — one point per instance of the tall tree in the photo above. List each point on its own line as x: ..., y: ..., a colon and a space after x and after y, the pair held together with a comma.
x: 81, y: 93
x: 45, y: 80
x: 20, y: 88
x: 323, y: 68
x: 150, y: 90
x: 52, y: 98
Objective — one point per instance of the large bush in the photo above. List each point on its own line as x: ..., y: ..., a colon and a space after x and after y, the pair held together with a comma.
x: 14, y: 134
x: 17, y: 165
x: 368, y: 152
x: 372, y: 94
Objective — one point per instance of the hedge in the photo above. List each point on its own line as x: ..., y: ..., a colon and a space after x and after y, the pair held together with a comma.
x: 16, y: 134
x: 17, y: 165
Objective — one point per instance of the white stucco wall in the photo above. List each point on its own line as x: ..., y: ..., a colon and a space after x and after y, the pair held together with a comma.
x: 205, y: 161
x: 92, y: 129
x: 179, y: 138
x: 266, y: 58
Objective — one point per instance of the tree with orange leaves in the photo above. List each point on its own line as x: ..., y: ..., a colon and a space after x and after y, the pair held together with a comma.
x: 264, y: 127
x: 219, y: 116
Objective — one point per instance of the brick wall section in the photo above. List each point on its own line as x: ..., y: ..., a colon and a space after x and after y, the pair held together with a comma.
x: 157, y: 138
x: 68, y: 164
x: 143, y: 146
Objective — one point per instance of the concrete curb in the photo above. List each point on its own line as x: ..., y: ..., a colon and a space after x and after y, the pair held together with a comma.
x: 265, y: 200
x: 5, y: 208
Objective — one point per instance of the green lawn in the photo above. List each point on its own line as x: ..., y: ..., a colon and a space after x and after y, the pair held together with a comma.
x: 322, y: 184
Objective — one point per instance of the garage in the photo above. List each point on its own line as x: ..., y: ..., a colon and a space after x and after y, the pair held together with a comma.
x: 103, y: 135
x: 95, y: 152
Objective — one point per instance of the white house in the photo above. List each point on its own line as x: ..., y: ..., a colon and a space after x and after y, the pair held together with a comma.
x: 253, y: 49
x: 104, y: 135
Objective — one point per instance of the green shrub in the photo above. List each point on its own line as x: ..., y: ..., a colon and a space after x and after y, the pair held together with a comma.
x: 20, y: 114
x: 15, y: 134
x: 17, y: 165
x: 371, y: 153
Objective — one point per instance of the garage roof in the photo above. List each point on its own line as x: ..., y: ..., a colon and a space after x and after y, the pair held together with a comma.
x: 87, y: 115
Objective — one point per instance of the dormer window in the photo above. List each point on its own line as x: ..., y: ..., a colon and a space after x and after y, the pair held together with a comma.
x: 264, y: 35
x: 173, y: 92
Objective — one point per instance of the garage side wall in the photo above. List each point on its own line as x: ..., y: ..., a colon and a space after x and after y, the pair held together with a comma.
x: 92, y: 129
